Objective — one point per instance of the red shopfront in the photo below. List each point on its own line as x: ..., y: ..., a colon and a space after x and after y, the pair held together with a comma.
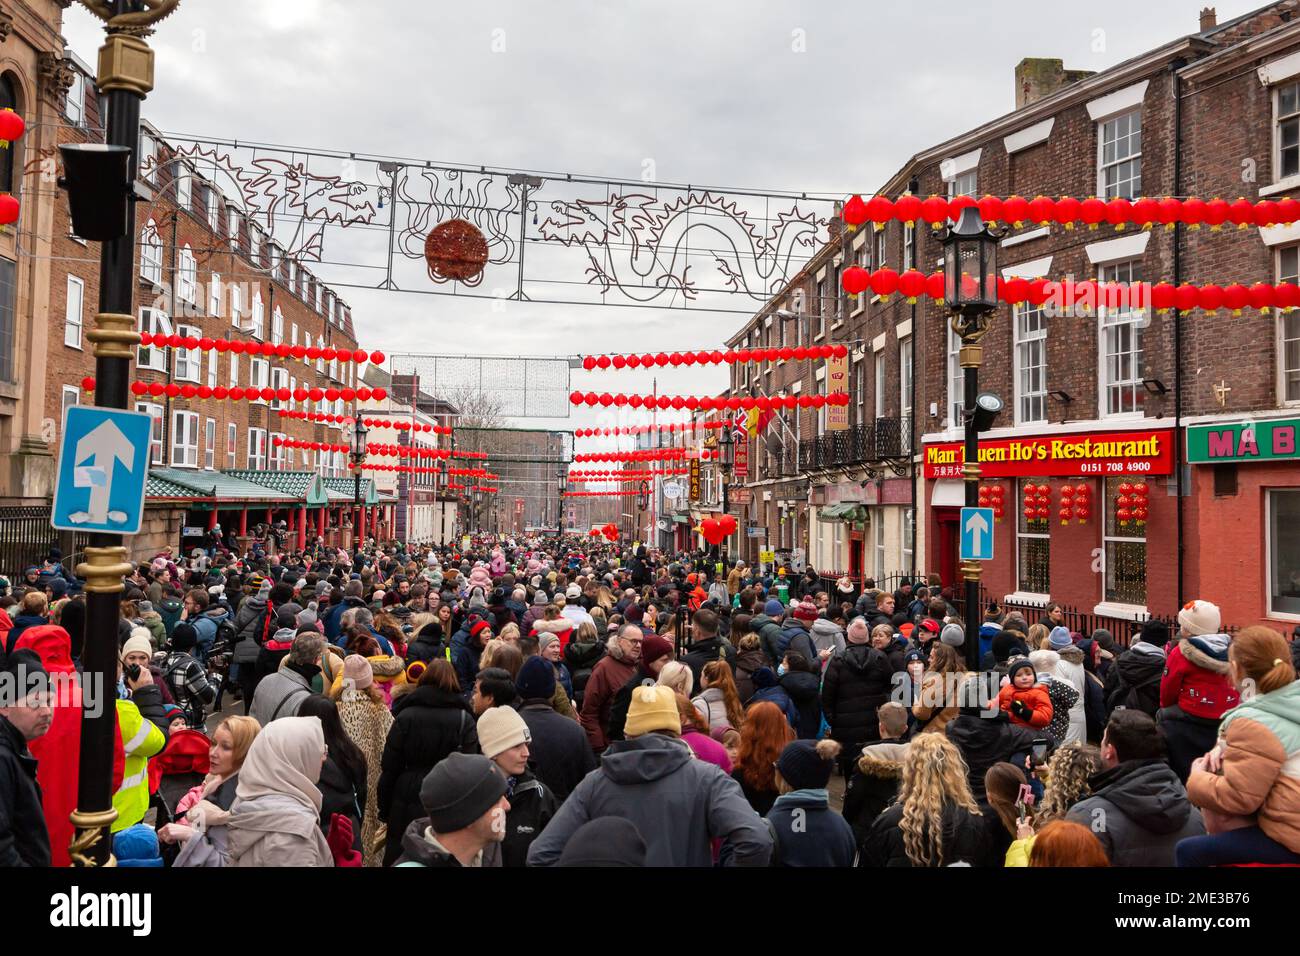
x: 1087, y: 519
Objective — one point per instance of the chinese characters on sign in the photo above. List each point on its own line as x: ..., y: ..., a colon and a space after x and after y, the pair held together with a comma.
x: 837, y: 383
x: 695, y: 479
x: 1058, y: 456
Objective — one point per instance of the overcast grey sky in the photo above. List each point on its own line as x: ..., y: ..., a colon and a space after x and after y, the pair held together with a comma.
x: 817, y: 96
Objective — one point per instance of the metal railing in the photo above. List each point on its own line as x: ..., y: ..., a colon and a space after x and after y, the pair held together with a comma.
x: 26, y: 538
x: 882, y: 439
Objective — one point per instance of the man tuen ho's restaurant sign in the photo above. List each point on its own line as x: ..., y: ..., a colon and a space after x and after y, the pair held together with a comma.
x: 1060, y: 456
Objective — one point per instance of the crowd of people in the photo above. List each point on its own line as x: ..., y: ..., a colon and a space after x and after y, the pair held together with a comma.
x: 572, y: 702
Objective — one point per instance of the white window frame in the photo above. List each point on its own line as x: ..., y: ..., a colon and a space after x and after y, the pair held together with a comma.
x: 1024, y: 345
x: 232, y: 445
x: 259, y: 376
x: 213, y: 357
x: 878, y: 541
x: 909, y: 246
x: 1108, y: 505
x: 254, y: 242
x: 74, y: 107
x: 257, y: 322
x: 257, y: 449
x: 905, y: 536
x: 234, y: 370
x: 1287, y: 272
x: 147, y: 164
x: 964, y: 184
x: 151, y: 263
x: 214, y: 207
x: 188, y: 363
x: 905, y: 372
x: 154, y: 321
x: 156, y: 432
x: 1278, y: 119
x: 236, y: 305
x: 1269, y: 540
x: 879, y: 369
x: 956, y: 381
x: 184, y: 186
x: 1137, y: 322
x: 1039, y: 535
x: 281, y: 457
x: 279, y: 380
x: 1102, y: 166
x: 73, y: 320
x: 70, y: 395
x: 185, y: 439
x: 277, y: 325
x: 187, y: 276
x: 210, y: 444
x: 232, y: 226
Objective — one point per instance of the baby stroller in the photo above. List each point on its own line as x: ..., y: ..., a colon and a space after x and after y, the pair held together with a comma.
x: 182, y: 766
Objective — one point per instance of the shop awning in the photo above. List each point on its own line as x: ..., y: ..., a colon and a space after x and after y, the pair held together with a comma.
x: 948, y: 493
x: 843, y: 511
x: 681, y: 519
x: 227, y: 488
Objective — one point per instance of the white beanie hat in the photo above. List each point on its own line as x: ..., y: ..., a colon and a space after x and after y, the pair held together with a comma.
x: 1200, y: 617
x: 501, y: 728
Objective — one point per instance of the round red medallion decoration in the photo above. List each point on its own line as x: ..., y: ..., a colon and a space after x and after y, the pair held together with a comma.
x: 456, y: 250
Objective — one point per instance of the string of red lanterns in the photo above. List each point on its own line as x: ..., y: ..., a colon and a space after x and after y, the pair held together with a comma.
x: 1146, y: 212
x: 279, y: 442
x: 648, y: 429
x: 715, y: 357
x: 238, y: 394
x: 11, y: 128
x: 587, y: 474
x: 314, y: 416
x: 652, y: 454
x: 601, y: 494
x: 238, y: 347
x: 412, y: 451
x: 407, y: 426
x: 693, y: 402
x: 406, y: 469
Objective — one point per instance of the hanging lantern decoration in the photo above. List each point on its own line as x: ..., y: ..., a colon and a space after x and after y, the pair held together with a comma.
x: 907, y: 209
x: 854, y: 213
x: 456, y: 250
x: 11, y: 127
x: 9, y: 209
x: 855, y: 281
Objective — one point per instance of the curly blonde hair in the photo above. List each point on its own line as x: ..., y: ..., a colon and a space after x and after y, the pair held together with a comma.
x: 1067, y: 780
x: 934, y: 775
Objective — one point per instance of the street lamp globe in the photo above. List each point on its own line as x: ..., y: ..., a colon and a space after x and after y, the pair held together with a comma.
x: 970, y: 266
x: 359, y: 432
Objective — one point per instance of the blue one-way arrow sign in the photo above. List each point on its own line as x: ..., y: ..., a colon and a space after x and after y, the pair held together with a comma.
x: 103, y: 464
x: 977, y: 534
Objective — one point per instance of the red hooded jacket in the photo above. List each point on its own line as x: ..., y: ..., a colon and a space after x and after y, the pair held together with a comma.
x: 1196, y: 682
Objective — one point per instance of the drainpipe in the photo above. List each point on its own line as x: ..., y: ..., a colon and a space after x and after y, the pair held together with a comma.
x: 914, y: 186
x: 1175, y: 67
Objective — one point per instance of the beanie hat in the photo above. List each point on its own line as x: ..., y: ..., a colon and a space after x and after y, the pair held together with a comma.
x: 1156, y: 632
x: 479, y: 628
x: 459, y: 789
x: 1004, y: 645
x: 573, y: 592
x: 652, y: 708
x: 322, y: 588
x: 1200, y: 617
x: 634, y: 614
x: 24, y: 664
x: 138, y: 642
x: 1105, y: 638
x: 536, y: 679
x: 137, y: 846
x: 655, y: 647
x: 144, y: 607
x: 307, y: 616
x: 358, y: 671
x: 604, y: 842
x: 171, y: 712
x: 501, y: 728
x: 806, y: 611
x: 1059, y: 638
x: 773, y: 608
x: 953, y: 635
x: 414, y: 671
x: 1019, y: 664
x: 184, y: 636
x: 804, y: 765
x: 1212, y: 645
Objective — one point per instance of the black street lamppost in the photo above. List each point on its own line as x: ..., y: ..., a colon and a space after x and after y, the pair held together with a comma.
x: 106, y: 213
x: 359, y: 432
x: 971, y: 295
x: 562, y: 485
x: 727, y: 447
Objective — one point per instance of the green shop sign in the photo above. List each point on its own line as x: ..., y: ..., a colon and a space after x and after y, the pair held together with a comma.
x: 1248, y: 441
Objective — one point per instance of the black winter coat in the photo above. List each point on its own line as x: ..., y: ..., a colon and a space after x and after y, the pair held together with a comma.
x: 623, y: 700
x: 985, y: 741
x: 804, y: 689
x: 745, y: 664
x: 581, y: 659
x: 1134, y: 681
x: 559, y: 753
x: 873, y: 786
x: 712, y: 649
x: 24, y: 839
x: 428, y: 724
x: 341, y: 794
x: 531, y: 807
x: 964, y: 839
x: 855, y: 684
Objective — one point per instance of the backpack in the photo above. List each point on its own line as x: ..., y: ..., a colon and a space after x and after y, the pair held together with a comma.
x: 226, y: 633
x: 248, y: 649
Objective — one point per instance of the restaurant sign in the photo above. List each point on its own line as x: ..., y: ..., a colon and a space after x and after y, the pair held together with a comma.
x: 1060, y: 456
x: 1244, y: 441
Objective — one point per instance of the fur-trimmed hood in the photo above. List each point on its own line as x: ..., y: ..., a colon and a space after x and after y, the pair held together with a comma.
x: 884, y: 761
x: 558, y: 626
x: 1071, y: 654
x: 1199, y: 658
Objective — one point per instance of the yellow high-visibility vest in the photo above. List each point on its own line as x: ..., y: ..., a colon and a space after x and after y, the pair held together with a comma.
x: 141, y: 739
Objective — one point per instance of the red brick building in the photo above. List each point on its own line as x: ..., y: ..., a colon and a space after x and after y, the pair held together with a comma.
x: 1112, y: 396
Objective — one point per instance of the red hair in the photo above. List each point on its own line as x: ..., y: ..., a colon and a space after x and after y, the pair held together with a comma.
x: 1062, y: 843
x: 764, y: 736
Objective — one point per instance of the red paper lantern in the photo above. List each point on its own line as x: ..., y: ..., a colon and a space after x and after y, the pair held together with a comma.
x: 907, y: 209
x: 1015, y: 210
x: 588, y: 362
x: 9, y: 209
x: 376, y: 358
x: 884, y: 282
x: 1041, y: 210
x: 1029, y: 512
x: 139, y: 388
x: 855, y: 280
x: 11, y: 125
x: 854, y: 212
x: 1242, y: 213
x: 934, y: 211
x: 1210, y: 297
x: 1145, y: 212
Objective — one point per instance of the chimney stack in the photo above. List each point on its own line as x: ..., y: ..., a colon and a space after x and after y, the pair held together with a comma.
x: 1039, y: 77
x: 1209, y: 19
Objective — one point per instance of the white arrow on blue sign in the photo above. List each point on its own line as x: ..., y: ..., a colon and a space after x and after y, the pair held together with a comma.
x: 977, y: 534
x: 103, y: 465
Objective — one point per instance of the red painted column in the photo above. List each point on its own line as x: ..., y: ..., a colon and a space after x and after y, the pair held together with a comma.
x: 302, y: 528
x: 268, y: 516
x: 212, y: 519
x: 321, y: 522
x: 292, y: 516
x: 243, y: 522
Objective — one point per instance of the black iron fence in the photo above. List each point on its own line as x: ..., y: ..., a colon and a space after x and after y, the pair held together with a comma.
x: 879, y: 440
x: 26, y: 538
